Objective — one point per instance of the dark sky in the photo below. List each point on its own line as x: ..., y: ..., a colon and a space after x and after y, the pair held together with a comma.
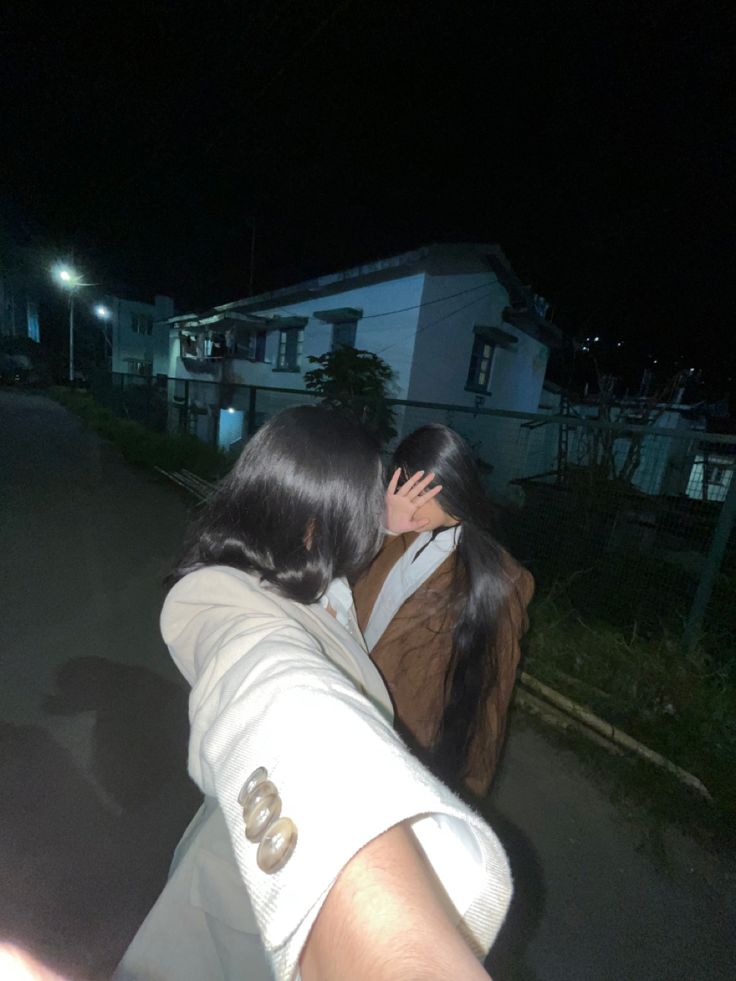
x: 594, y: 142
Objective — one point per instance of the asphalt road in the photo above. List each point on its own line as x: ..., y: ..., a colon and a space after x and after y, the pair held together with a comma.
x: 93, y: 752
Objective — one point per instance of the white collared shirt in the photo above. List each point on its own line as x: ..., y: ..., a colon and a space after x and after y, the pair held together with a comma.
x: 339, y: 596
x: 407, y: 576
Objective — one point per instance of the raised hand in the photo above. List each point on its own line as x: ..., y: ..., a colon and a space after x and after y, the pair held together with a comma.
x: 402, y: 504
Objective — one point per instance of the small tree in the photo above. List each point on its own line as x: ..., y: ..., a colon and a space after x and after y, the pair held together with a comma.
x: 355, y: 383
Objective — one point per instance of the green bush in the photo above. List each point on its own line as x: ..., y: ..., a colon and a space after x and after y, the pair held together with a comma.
x: 140, y: 446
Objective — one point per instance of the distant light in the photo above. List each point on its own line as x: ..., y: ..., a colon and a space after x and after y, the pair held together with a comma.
x: 102, y: 312
x: 65, y: 275
x: 620, y: 344
x: 655, y: 361
x: 596, y: 339
x: 230, y: 409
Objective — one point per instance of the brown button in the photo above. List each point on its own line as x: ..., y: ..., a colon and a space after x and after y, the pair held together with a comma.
x: 264, y: 811
x: 259, y: 793
x: 277, y: 845
x: 256, y: 777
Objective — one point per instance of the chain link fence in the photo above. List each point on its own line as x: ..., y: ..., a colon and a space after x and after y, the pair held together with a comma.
x: 633, y: 522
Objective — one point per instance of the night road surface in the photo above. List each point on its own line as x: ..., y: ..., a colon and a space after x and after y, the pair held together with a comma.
x: 93, y: 752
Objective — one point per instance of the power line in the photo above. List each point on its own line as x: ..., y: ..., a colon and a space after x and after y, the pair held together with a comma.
x: 444, y: 317
x: 416, y: 306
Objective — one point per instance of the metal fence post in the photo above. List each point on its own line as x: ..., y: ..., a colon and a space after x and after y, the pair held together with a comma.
x: 149, y: 400
x: 252, y: 410
x: 713, y: 562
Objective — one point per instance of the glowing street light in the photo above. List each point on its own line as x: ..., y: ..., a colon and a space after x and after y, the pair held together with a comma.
x: 71, y: 280
x: 104, y: 314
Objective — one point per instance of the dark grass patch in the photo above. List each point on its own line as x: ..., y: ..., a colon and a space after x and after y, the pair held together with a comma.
x: 142, y: 447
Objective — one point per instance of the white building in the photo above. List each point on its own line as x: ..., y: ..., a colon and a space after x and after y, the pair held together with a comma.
x: 453, y: 321
x: 676, y: 453
x: 138, y: 333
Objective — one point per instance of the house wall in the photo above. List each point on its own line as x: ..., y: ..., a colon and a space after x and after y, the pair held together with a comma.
x: 18, y: 309
x: 128, y: 346
x: 442, y: 355
x: 387, y: 328
x: 445, y: 342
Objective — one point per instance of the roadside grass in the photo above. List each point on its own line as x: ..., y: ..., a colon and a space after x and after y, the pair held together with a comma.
x: 142, y: 447
x: 682, y: 706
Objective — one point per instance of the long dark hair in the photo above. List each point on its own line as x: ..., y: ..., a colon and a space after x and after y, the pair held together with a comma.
x: 481, y: 588
x: 302, y: 505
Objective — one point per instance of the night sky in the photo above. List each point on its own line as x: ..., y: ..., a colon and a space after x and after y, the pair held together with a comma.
x: 594, y: 142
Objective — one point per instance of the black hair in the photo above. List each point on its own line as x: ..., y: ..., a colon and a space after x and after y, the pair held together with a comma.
x: 481, y: 588
x: 301, y: 506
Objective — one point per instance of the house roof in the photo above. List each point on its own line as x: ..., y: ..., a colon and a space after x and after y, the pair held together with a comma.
x: 434, y: 259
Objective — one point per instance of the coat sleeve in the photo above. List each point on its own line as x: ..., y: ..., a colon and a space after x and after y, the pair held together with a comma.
x: 265, y: 694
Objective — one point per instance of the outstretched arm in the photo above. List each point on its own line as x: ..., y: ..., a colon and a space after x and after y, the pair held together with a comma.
x: 386, y: 919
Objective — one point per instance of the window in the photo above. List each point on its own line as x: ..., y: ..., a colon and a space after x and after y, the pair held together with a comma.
x: 714, y: 474
x: 141, y: 323
x: 255, y: 349
x: 481, y: 363
x: 290, y: 349
x: 136, y: 367
x: 343, y: 335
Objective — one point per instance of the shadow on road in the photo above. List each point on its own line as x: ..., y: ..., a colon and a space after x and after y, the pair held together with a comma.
x: 79, y: 868
x: 141, y: 728
x: 507, y: 960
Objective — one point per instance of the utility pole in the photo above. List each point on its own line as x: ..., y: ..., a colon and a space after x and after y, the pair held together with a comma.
x: 252, y: 254
x: 71, y: 336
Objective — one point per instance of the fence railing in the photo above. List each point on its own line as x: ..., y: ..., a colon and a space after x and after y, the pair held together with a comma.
x: 634, y: 522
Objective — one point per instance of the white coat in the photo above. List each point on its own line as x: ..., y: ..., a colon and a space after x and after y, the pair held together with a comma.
x: 282, y: 685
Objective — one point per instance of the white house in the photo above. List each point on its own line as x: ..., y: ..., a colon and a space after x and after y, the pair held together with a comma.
x: 453, y: 321
x: 678, y: 455
x: 139, y: 333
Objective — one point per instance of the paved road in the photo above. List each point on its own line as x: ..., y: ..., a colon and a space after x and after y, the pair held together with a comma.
x: 93, y: 735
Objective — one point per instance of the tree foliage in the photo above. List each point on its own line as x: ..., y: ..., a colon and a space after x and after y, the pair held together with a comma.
x: 355, y: 383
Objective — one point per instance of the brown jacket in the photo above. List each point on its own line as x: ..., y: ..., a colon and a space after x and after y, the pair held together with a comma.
x: 413, y: 653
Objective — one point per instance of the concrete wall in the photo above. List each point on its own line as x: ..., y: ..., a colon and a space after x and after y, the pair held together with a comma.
x: 387, y: 329
x: 129, y: 346
x: 445, y: 342
x: 452, y: 305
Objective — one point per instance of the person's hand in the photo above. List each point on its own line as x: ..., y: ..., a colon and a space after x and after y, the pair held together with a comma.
x: 402, y: 504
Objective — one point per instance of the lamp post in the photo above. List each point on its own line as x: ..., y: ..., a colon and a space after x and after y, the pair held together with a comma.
x: 104, y: 314
x: 70, y: 280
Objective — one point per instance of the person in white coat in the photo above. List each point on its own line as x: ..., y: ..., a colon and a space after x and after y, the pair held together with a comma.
x: 323, y: 849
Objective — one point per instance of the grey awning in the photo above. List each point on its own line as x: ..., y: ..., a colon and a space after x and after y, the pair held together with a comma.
x: 495, y: 335
x: 338, y: 315
x: 288, y: 323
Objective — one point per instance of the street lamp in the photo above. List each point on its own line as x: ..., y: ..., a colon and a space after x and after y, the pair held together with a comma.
x: 70, y: 280
x: 104, y: 314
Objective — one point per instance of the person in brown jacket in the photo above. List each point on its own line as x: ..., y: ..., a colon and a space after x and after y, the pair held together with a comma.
x: 443, y: 609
